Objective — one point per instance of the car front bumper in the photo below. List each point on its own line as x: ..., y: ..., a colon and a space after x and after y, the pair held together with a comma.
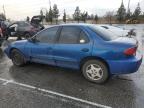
x: 7, y: 50
x: 126, y: 66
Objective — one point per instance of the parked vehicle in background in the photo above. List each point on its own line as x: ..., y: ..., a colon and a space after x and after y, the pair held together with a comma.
x: 1, y: 34
x: 24, y: 29
x: 119, y: 31
x: 132, y: 21
x: 97, y: 52
x: 21, y: 29
x: 36, y: 22
x: 3, y: 26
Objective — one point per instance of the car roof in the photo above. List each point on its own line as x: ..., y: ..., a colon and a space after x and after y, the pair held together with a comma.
x: 73, y: 24
x: 21, y: 22
x: 17, y: 22
x: 76, y: 24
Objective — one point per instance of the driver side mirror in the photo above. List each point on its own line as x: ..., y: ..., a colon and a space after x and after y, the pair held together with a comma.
x: 33, y: 40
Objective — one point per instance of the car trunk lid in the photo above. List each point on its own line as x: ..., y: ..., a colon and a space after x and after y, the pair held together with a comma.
x: 131, y: 43
x: 127, y: 40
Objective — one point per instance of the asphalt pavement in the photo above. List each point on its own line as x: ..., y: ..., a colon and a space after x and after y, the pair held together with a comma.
x: 43, y: 86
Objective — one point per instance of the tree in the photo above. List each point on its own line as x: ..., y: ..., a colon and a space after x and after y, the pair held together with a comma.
x: 55, y: 12
x: 84, y: 16
x: 137, y: 12
x: 92, y: 16
x: 2, y: 16
x: 143, y: 15
x: 50, y: 15
x: 128, y: 14
x: 96, y: 18
x: 64, y: 17
x: 121, y: 13
x: 28, y: 19
x: 41, y: 12
x: 109, y: 15
x: 47, y: 17
x: 76, y: 14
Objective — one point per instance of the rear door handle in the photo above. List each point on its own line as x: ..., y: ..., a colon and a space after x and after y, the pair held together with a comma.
x: 85, y: 49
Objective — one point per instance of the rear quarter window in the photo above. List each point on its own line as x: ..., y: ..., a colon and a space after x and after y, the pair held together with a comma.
x: 69, y: 35
x: 103, y: 33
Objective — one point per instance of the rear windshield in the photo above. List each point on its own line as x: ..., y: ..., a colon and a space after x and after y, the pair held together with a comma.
x: 103, y: 33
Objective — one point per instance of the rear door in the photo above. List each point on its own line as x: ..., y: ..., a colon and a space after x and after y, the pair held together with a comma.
x: 73, y: 44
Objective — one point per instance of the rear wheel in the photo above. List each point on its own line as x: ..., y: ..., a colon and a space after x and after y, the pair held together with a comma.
x: 17, y: 58
x: 95, y: 71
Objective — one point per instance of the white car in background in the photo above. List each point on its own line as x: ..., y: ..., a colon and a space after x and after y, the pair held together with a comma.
x: 119, y: 31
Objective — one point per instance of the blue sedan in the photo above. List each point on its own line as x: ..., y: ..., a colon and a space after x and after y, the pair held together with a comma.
x: 95, y: 51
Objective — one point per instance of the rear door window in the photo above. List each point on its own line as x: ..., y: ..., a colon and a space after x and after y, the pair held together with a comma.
x: 69, y: 35
x: 83, y: 38
x: 103, y: 33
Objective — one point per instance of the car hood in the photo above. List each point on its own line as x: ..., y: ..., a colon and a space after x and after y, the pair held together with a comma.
x: 21, y: 42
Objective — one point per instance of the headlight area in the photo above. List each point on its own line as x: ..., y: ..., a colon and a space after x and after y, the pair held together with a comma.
x: 6, y: 50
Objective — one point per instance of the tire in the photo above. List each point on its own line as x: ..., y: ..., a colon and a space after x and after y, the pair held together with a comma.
x: 95, y: 71
x: 27, y: 36
x: 17, y: 58
x: 6, y: 38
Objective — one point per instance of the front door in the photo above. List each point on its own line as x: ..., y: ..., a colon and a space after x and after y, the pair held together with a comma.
x: 42, y: 48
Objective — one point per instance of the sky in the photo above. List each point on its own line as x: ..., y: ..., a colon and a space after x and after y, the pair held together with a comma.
x: 20, y: 9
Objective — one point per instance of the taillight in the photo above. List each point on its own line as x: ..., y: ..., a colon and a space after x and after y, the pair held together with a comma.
x: 130, y: 51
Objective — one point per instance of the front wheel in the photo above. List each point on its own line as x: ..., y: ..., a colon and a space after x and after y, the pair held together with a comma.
x: 95, y: 71
x: 17, y: 58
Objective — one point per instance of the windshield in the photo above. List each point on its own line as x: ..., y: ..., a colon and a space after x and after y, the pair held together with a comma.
x: 103, y: 33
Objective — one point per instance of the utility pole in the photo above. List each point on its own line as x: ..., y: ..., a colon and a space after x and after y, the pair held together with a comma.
x: 128, y: 4
x: 50, y: 3
x: 4, y: 10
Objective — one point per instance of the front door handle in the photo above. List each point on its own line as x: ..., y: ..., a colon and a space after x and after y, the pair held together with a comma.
x: 85, y: 50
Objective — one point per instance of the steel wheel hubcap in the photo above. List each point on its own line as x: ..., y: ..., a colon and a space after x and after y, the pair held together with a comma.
x: 94, y: 71
x: 17, y: 58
